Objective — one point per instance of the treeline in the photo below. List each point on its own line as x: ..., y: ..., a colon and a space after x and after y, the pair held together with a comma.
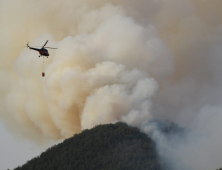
x: 107, y: 147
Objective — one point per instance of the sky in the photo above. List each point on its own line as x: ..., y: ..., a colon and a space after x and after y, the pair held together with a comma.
x: 117, y: 60
x: 15, y: 152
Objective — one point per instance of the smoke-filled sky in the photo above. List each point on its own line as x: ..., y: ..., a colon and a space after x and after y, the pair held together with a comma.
x: 117, y: 60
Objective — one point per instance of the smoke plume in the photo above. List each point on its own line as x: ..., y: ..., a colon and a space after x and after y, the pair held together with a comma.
x: 117, y: 60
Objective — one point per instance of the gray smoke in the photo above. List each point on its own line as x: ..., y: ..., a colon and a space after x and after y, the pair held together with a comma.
x: 131, y: 61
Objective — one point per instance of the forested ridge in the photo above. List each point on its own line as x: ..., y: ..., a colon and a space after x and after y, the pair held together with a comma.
x: 107, y: 147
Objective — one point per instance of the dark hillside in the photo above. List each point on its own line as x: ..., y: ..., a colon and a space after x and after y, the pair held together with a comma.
x: 106, y: 147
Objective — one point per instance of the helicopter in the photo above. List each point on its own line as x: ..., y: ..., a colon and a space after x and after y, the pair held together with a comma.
x: 43, y: 51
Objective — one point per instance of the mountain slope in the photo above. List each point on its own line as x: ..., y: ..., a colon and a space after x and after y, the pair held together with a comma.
x: 113, y: 146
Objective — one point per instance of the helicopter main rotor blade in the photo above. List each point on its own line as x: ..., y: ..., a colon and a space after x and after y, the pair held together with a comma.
x: 51, y: 48
x: 45, y: 44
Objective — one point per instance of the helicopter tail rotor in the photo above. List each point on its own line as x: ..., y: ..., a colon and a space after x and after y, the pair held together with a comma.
x: 27, y: 45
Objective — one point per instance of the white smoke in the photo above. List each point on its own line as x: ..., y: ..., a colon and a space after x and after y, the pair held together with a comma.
x: 98, y: 76
x: 131, y: 61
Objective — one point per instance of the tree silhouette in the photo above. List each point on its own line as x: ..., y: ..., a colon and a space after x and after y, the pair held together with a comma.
x: 112, y: 146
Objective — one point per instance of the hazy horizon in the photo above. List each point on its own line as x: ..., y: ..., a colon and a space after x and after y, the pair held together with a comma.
x: 117, y: 60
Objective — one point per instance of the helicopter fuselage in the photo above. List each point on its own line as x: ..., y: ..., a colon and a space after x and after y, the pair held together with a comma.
x: 44, y: 52
x: 41, y: 51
